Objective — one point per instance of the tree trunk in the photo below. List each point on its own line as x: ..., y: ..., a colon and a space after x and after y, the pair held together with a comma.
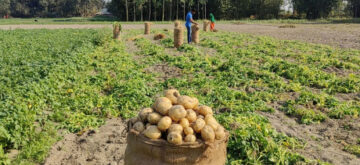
x: 163, y: 10
x: 171, y: 8
x: 150, y: 10
x: 198, y: 8
x: 134, y: 7
x: 155, y: 11
x: 141, y: 12
x: 127, y: 10
x: 205, y: 10
x: 184, y: 9
x: 177, y: 9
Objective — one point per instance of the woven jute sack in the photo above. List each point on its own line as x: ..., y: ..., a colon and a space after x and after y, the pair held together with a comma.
x: 141, y: 150
x: 195, y: 33
x: 116, y: 32
x: 178, y: 36
x: 206, y: 25
x: 177, y: 23
x: 147, y: 27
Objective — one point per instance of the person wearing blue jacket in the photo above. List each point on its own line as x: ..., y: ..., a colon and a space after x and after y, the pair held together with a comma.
x: 189, y: 22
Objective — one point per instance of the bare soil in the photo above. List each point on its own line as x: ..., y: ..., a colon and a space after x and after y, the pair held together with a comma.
x: 324, y: 141
x: 338, y: 35
x: 105, y: 146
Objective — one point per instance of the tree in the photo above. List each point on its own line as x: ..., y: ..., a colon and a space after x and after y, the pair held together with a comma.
x: 314, y: 8
x: 127, y: 10
x: 354, y: 7
x: 163, y: 10
x: 4, y: 7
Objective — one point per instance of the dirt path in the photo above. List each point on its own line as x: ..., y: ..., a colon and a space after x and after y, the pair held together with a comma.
x: 324, y: 141
x: 339, y: 35
x: 106, y: 146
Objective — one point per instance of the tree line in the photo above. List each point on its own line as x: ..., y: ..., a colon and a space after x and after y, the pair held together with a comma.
x: 162, y: 10
x: 50, y: 8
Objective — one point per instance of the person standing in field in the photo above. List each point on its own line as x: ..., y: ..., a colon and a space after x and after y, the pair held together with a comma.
x: 212, y: 20
x: 189, y: 22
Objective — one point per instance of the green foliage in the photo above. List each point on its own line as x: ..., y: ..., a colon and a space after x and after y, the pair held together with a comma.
x: 50, y: 8
x: 314, y: 8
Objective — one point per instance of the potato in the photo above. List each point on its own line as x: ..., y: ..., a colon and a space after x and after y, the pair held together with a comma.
x: 139, y: 126
x: 191, y: 115
x: 198, y: 125
x: 200, y: 117
x: 134, y: 120
x: 164, y: 123
x: 184, y: 122
x: 187, y: 102
x: 162, y: 105
x: 220, y: 133
x: 176, y: 128
x: 211, y: 121
x: 177, y: 112
x: 174, y: 138
x: 188, y: 131
x: 152, y: 132
x: 190, y: 138
x: 147, y: 125
x: 208, y: 134
x: 153, y: 117
x: 144, y: 113
x: 172, y: 95
x: 205, y: 110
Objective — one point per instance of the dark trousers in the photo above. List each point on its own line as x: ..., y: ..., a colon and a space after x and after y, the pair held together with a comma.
x: 188, y: 33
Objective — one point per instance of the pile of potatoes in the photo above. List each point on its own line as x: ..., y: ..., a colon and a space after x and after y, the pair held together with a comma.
x: 178, y: 119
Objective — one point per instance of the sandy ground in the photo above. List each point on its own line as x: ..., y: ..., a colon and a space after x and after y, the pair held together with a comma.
x: 339, y: 35
x: 105, y: 146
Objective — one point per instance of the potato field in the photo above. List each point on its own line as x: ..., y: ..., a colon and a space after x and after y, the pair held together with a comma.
x: 283, y: 102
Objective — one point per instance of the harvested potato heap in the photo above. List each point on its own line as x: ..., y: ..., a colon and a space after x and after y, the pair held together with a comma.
x: 178, y: 119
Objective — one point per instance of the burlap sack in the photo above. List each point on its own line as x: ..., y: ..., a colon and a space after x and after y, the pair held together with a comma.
x: 195, y: 34
x: 141, y: 150
x: 116, y: 32
x: 178, y: 36
x: 177, y: 23
x: 147, y: 27
x: 206, y: 25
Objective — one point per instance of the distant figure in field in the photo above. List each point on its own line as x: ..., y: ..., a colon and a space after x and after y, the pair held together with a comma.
x: 212, y: 20
x: 189, y: 22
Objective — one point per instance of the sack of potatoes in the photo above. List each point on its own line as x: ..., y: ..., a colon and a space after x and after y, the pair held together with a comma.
x: 180, y: 127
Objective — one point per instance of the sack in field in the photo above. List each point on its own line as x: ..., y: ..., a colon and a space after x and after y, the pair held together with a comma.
x: 178, y: 36
x: 144, y: 151
x: 195, y: 33
x: 206, y: 25
x: 147, y: 27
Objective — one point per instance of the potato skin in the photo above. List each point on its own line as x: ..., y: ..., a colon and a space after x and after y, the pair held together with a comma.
x: 220, y: 133
x: 177, y: 112
x: 164, y: 123
x: 205, y: 110
x: 153, y: 117
x: 191, y: 115
x: 139, y: 126
x: 174, y: 138
x: 187, y: 101
x: 198, y: 125
x: 176, y: 128
x: 172, y: 95
x: 190, y: 138
x: 162, y: 105
x: 184, y: 122
x: 211, y: 121
x: 144, y: 113
x: 208, y: 134
x: 152, y: 132
x: 188, y: 131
